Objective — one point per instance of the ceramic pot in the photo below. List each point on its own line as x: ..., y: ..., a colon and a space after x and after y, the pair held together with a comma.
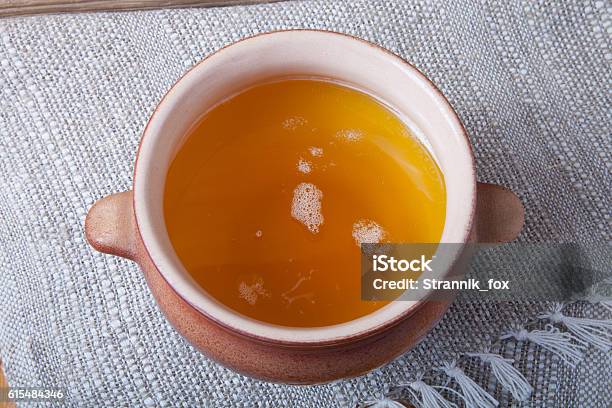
x: 131, y: 224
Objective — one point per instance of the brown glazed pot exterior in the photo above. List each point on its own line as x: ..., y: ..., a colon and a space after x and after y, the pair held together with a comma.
x: 111, y: 228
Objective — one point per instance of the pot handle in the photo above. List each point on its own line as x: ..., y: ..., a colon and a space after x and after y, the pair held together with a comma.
x: 110, y: 226
x: 499, y: 214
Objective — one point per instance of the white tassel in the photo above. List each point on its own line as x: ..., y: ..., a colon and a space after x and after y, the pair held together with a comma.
x: 429, y: 395
x: 509, y: 377
x: 553, y: 340
x: 473, y: 395
x: 383, y: 403
x: 592, y: 331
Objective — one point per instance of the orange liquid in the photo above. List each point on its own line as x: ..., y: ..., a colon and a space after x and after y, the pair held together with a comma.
x: 273, y: 190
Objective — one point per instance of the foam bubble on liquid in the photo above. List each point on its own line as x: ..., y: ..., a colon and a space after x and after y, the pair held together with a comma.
x: 251, y: 292
x: 351, y: 135
x: 368, y: 232
x: 258, y: 233
x: 294, y: 122
x: 315, y: 151
x: 304, y: 166
x: 306, y: 206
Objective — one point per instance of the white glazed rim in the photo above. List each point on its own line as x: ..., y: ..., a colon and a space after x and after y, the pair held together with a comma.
x: 149, y: 175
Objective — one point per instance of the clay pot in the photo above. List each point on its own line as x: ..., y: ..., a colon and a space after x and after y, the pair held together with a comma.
x: 131, y: 224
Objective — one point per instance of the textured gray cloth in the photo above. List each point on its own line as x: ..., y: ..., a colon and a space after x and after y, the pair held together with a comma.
x: 530, y: 80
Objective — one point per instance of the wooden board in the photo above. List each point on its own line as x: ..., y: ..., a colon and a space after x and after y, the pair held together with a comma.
x: 4, y: 384
x: 28, y: 7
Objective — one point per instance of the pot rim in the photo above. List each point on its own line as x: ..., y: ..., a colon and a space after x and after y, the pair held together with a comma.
x: 262, y: 331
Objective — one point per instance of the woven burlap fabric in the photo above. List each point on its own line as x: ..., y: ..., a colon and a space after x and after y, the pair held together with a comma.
x: 530, y: 80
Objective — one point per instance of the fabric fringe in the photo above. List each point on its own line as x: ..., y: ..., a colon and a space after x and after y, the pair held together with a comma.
x: 564, y: 345
x: 427, y: 396
x: 472, y: 394
x: 383, y: 403
x: 595, y: 332
x: 568, y: 346
x: 509, y: 377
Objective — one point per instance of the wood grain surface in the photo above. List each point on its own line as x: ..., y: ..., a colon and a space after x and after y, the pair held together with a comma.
x: 4, y: 384
x: 28, y: 7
